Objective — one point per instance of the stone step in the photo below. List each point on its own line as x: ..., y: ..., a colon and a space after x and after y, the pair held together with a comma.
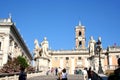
x: 52, y: 77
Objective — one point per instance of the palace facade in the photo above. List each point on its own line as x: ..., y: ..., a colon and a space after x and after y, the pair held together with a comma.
x: 77, y: 58
x: 13, y: 45
x: 11, y: 42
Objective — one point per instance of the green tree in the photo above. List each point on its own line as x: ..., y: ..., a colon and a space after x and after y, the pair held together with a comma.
x: 22, y: 61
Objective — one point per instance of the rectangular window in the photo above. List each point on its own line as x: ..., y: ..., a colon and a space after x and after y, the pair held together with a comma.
x: 67, y: 58
x: 117, y: 56
x: 79, y: 58
x: 10, y: 43
x: 56, y: 58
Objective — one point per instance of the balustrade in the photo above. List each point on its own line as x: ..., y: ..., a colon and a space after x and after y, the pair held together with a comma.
x: 15, y: 77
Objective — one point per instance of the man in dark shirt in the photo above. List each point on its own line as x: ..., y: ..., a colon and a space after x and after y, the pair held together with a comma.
x: 22, y: 75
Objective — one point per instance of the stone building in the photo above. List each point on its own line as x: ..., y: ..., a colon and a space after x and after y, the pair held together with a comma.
x: 11, y: 42
x: 77, y: 58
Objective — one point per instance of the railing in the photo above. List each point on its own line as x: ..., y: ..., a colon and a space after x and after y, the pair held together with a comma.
x: 110, y: 67
x: 9, y: 76
x: 4, y: 20
x: 15, y: 76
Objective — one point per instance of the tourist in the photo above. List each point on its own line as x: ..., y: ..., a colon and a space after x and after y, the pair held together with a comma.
x: 56, y: 71
x: 59, y: 76
x: 92, y: 75
x: 89, y: 74
x: 59, y: 73
x: 48, y: 71
x: 85, y: 73
x: 52, y: 71
x: 22, y: 75
x: 116, y: 75
x: 64, y: 74
x: 59, y: 70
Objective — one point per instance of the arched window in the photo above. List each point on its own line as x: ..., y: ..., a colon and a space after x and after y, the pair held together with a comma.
x: 80, y: 33
x: 80, y: 44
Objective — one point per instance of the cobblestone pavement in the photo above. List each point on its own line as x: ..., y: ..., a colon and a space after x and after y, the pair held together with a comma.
x: 51, y: 77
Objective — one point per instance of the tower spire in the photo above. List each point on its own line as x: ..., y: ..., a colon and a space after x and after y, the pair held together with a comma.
x: 10, y: 15
x: 80, y: 23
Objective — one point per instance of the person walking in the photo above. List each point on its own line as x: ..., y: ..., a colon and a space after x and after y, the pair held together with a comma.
x: 56, y: 71
x: 64, y: 74
x: 89, y: 74
x: 85, y: 74
x: 59, y: 76
x: 22, y: 75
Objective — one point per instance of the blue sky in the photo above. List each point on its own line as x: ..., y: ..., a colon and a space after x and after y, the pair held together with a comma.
x: 56, y: 19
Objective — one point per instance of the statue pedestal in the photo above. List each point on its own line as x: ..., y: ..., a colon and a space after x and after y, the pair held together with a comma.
x: 42, y: 64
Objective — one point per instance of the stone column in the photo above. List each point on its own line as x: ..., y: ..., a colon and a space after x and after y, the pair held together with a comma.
x: 72, y: 65
x: 86, y: 62
x: 110, y: 59
x: 5, y: 48
x: 12, y: 48
x: 1, y: 52
x: 61, y: 62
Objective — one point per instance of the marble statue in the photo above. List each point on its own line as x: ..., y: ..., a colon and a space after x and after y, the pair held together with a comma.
x: 36, y: 44
x: 45, y: 46
x: 91, y: 45
x: 36, y: 49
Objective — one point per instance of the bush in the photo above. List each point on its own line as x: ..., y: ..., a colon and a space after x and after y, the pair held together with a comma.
x: 30, y: 69
x: 22, y: 61
x: 14, y: 65
x: 11, y: 66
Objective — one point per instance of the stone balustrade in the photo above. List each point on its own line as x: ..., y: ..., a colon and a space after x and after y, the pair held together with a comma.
x: 15, y: 77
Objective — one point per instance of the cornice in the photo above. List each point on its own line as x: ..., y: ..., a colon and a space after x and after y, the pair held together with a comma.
x: 70, y: 52
x: 21, y: 41
x: 17, y: 35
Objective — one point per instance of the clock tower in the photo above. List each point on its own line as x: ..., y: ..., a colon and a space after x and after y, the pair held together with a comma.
x: 80, y: 36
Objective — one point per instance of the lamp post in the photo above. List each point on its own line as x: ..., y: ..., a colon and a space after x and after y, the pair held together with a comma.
x: 99, y: 48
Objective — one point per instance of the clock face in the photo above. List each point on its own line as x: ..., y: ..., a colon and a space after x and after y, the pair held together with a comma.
x: 79, y: 38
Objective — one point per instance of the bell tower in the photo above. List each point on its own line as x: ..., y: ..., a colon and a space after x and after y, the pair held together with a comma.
x: 80, y: 36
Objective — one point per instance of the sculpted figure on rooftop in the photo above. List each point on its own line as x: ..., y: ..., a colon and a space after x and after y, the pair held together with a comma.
x: 36, y: 49
x: 45, y: 46
x: 91, y: 46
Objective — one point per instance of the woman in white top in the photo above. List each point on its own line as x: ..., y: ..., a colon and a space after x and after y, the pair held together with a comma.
x: 64, y: 74
x: 85, y: 74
